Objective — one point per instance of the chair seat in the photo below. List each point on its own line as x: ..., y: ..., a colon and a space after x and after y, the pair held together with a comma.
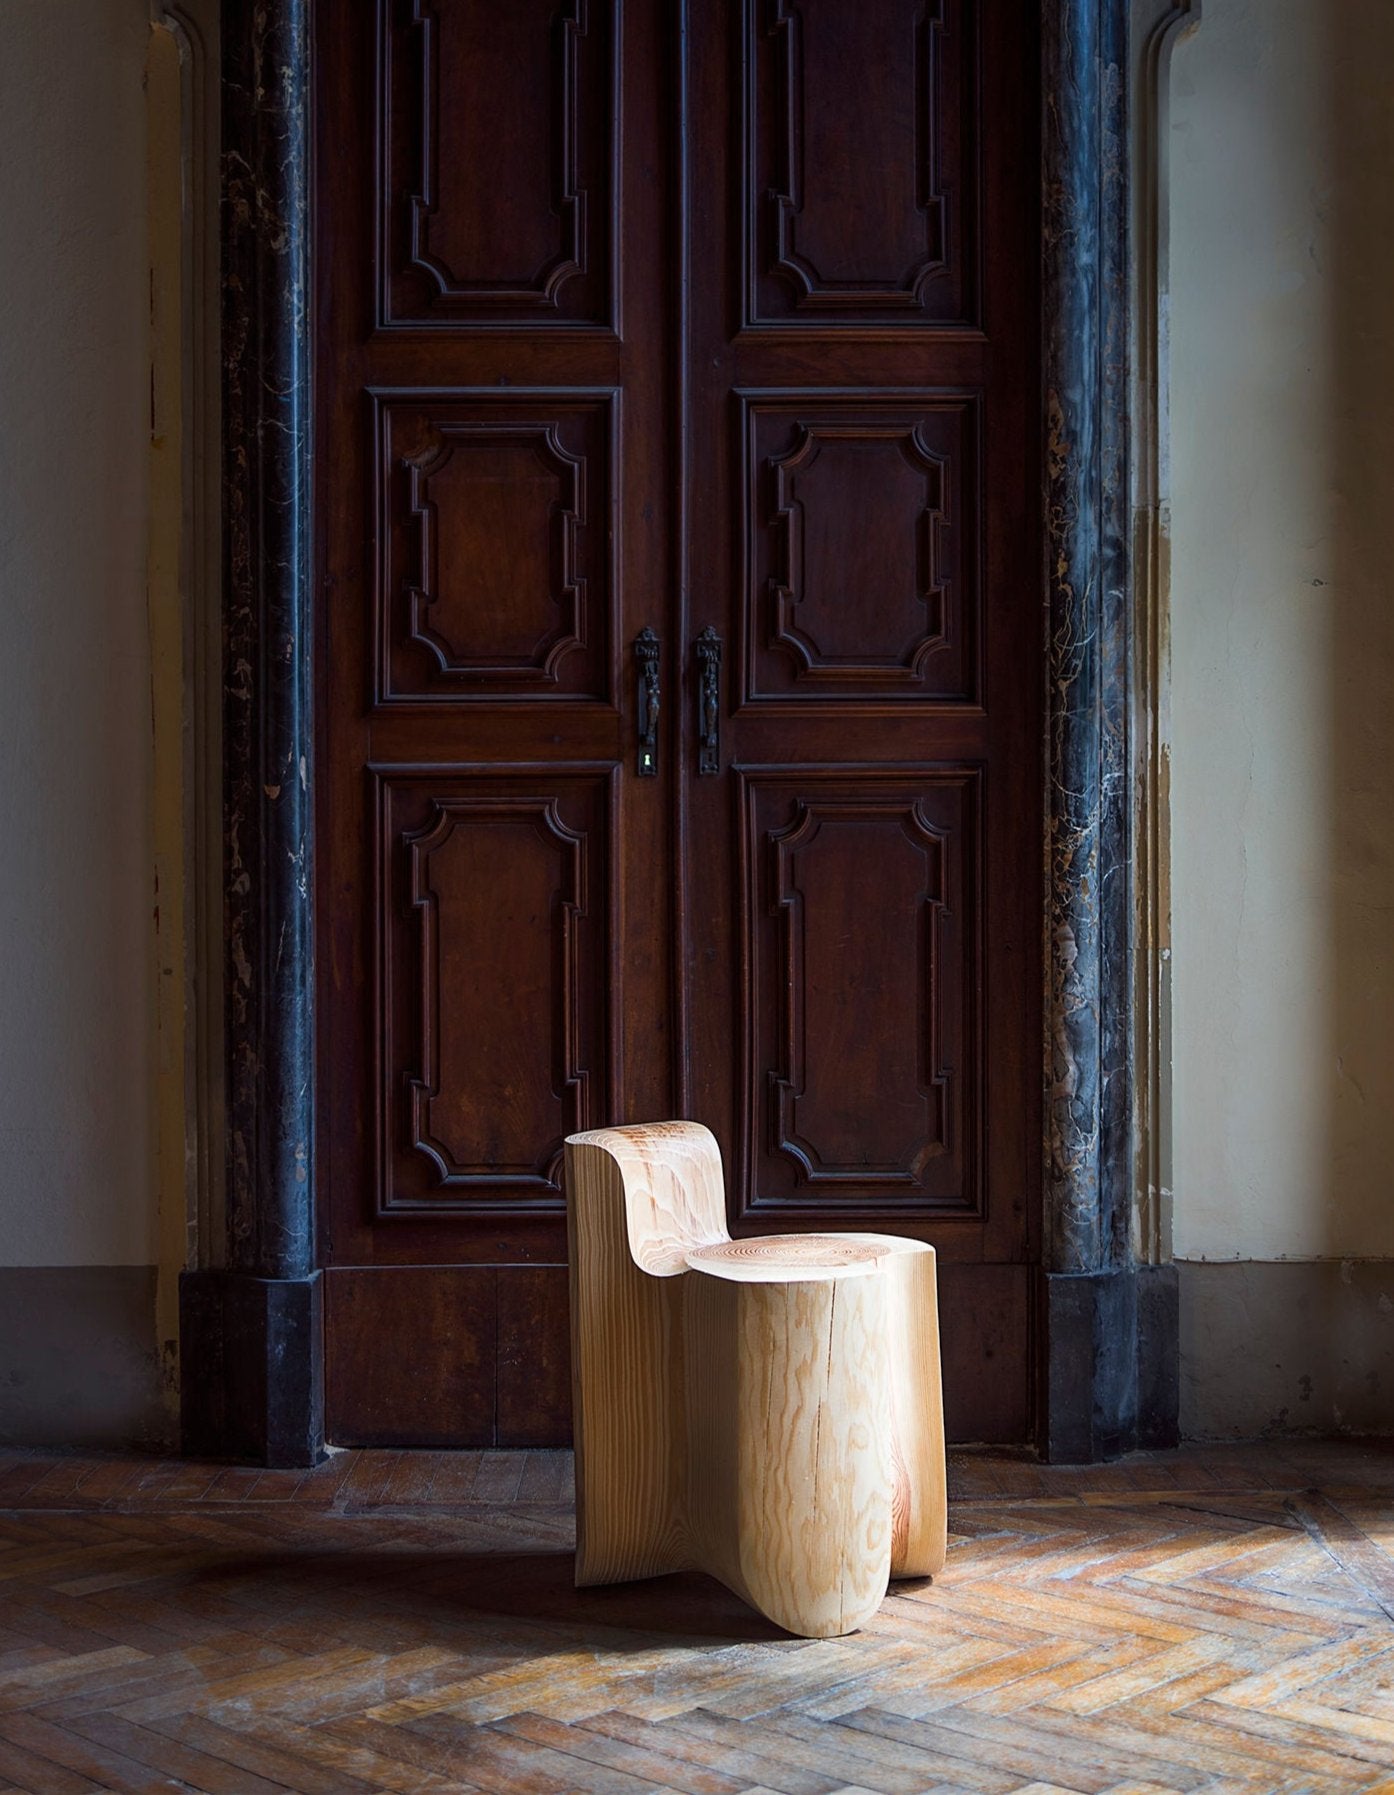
x: 790, y: 1258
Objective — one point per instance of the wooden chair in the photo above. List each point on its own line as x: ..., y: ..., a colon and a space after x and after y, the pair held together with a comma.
x: 766, y: 1410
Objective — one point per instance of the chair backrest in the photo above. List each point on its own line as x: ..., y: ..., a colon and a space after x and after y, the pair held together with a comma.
x: 674, y: 1191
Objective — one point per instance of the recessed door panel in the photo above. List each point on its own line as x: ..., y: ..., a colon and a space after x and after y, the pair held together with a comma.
x: 496, y: 546
x: 862, y: 559
x: 862, y: 1087
x: 860, y: 162
x: 488, y: 1059
x: 496, y: 130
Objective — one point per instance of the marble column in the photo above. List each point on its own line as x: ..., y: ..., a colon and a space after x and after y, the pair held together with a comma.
x: 250, y: 1322
x: 1110, y: 1323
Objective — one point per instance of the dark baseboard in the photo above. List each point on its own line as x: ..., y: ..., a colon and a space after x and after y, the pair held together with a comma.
x: 1158, y: 1357
x: 1293, y: 1346
x: 80, y: 1361
x: 1112, y: 1363
x: 252, y: 1359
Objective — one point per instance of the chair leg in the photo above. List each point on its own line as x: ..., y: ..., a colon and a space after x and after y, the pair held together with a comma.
x: 626, y: 1376
x: 789, y: 1430
x: 920, y: 1525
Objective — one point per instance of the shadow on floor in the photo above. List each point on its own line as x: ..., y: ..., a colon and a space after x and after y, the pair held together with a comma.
x: 439, y: 1586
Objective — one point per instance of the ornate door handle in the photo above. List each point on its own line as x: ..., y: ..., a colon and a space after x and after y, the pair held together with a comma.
x: 709, y: 701
x: 646, y: 711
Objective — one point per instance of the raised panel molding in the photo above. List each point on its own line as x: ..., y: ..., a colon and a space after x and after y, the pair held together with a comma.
x: 460, y: 243
x: 502, y: 828
x: 487, y: 1062
x: 564, y: 26
x: 795, y: 852
x: 859, y: 898
x: 860, y: 214
x: 511, y: 458
x: 862, y: 549
x: 792, y: 208
x: 494, y: 566
x: 805, y: 481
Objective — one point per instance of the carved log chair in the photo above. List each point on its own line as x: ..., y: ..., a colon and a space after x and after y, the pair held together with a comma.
x: 765, y: 1410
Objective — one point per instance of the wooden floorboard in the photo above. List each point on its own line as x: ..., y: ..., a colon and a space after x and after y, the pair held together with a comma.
x: 1210, y: 1619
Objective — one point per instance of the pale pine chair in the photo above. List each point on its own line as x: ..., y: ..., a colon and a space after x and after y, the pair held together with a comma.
x: 765, y: 1410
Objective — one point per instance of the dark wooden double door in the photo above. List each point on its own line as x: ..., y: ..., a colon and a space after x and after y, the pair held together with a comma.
x: 717, y: 322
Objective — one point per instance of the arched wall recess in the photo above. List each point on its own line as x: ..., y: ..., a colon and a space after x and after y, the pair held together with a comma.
x: 251, y: 1329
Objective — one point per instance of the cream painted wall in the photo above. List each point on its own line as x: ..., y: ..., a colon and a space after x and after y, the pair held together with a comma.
x: 76, y: 1017
x: 1282, y: 395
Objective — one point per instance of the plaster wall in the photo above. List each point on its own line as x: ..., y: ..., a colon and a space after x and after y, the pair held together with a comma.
x: 75, y: 900
x: 78, y: 1194
x: 1282, y: 260
x: 1282, y: 626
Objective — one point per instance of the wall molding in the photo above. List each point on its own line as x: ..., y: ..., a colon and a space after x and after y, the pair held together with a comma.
x: 186, y: 627
x: 1158, y: 26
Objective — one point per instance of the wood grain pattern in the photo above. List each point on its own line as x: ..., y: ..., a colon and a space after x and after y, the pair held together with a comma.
x: 789, y: 1488
x: 737, y: 1409
x: 1207, y: 1620
x: 630, y: 1476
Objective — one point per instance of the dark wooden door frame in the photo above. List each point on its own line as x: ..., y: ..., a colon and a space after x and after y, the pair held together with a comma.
x: 251, y: 1332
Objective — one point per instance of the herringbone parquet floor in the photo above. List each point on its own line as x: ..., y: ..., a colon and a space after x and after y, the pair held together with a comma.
x: 1219, y: 1621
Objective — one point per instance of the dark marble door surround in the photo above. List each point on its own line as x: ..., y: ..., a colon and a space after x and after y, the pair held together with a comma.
x: 252, y: 1370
